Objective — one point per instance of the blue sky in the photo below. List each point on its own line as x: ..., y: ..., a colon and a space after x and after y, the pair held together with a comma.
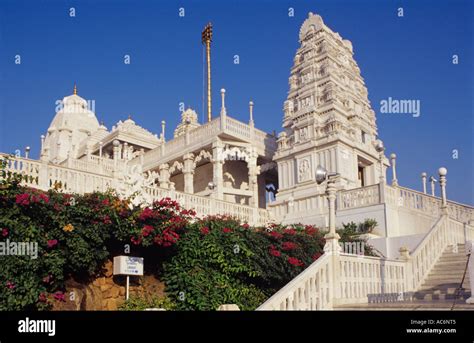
x: 403, y: 58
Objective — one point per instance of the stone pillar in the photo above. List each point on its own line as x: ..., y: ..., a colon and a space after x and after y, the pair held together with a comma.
x: 188, y: 173
x: 442, y: 183
x: 164, y: 178
x: 116, y: 152
x: 332, y: 243
x: 253, y: 171
x: 469, y: 250
x: 125, y: 151
x: 251, y: 122
x: 217, y: 170
x: 42, y: 144
x: 393, y: 159
x: 101, y: 144
x: 423, y: 181
x: 382, y: 173
x: 332, y: 237
x: 432, y: 181
x: 142, y: 156
x: 223, y: 110
x: 163, y: 126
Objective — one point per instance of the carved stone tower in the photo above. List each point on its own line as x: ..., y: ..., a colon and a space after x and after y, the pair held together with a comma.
x: 328, y: 119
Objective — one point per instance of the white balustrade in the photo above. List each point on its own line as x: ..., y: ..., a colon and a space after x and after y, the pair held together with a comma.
x: 428, y: 204
x: 359, y: 197
x: 310, y: 290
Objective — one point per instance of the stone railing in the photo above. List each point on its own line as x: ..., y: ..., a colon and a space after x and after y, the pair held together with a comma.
x: 205, y: 206
x: 363, y: 278
x: 260, y: 139
x: 397, y: 197
x: 343, y: 279
x: 310, y: 290
x: 359, y: 197
x: 237, y: 128
x: 44, y: 176
x: 28, y: 169
x: 428, y: 251
x: 427, y: 204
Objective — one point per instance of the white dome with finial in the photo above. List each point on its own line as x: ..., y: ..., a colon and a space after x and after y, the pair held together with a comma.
x: 73, y: 122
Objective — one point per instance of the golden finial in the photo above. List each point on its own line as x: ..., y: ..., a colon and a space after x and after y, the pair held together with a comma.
x: 75, y: 89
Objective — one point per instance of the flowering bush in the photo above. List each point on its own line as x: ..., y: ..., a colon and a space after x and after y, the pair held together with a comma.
x: 204, y: 262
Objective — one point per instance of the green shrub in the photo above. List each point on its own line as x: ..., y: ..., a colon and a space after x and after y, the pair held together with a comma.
x: 140, y: 303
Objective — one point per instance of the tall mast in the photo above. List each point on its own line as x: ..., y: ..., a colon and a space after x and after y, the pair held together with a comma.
x: 207, y: 39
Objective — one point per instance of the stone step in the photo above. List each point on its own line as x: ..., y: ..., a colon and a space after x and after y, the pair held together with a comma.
x: 443, y: 284
x: 447, y: 287
x: 439, y: 295
x: 439, y: 305
x: 452, y: 259
x: 453, y: 266
x: 447, y: 275
x: 447, y: 272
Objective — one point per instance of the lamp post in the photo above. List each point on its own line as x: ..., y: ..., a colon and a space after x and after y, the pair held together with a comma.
x: 27, y: 152
x: 332, y: 236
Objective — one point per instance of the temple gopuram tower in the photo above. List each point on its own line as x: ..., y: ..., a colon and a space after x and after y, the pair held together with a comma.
x: 328, y: 119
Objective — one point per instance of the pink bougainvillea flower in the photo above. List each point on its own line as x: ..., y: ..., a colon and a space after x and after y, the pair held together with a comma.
x: 146, y: 213
x: 10, y: 285
x: 290, y: 231
x: 23, y: 199
x: 274, y: 252
x: 45, y: 198
x: 288, y: 246
x: 59, y: 296
x: 226, y: 230
x: 276, y: 235
x: 147, y: 229
x: 5, y: 232
x: 295, y: 262
x: 136, y: 241
x: 47, y: 279
x: 205, y: 230
x: 52, y: 242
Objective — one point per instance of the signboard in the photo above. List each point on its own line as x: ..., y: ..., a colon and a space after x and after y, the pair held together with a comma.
x: 128, y: 265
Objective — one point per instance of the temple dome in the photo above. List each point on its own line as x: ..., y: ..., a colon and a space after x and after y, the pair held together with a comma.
x: 73, y: 122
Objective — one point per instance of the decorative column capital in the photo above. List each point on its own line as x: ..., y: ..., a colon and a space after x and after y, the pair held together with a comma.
x: 164, y: 166
x: 188, y: 156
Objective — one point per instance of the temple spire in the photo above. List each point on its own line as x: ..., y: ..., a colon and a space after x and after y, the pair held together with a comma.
x: 75, y: 89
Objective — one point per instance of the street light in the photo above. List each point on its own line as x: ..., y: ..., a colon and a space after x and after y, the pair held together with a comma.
x: 332, y: 237
x: 211, y: 185
x: 323, y: 175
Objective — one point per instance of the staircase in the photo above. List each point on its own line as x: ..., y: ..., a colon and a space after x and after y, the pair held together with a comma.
x: 439, y: 289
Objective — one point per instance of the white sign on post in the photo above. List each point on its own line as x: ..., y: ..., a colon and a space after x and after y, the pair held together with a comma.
x: 128, y: 265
